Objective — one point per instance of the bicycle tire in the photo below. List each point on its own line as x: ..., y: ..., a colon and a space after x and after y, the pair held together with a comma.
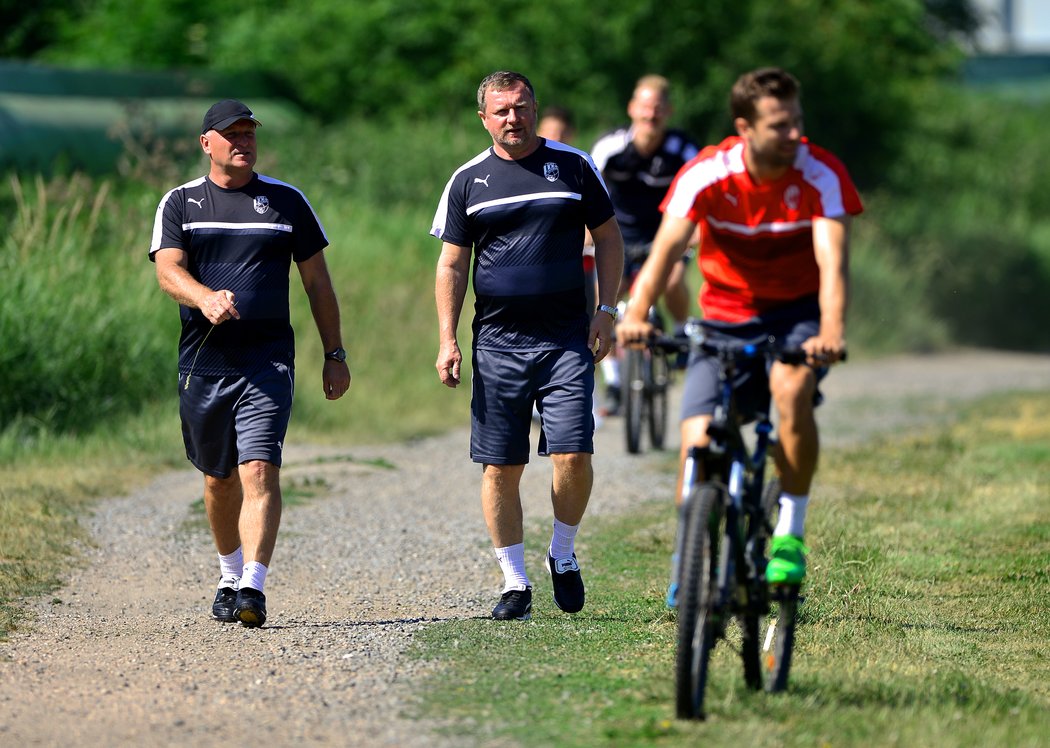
x: 658, y: 378
x: 697, y: 618
x: 777, y: 636
x: 771, y: 503
x: 633, y: 399
x: 752, y: 622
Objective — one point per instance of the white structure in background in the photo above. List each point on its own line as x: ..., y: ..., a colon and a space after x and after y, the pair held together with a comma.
x: 1014, y: 26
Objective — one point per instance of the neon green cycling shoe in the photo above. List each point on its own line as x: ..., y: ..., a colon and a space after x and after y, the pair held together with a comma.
x: 787, y: 560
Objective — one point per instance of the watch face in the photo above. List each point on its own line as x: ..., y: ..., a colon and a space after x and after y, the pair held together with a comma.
x: 337, y: 355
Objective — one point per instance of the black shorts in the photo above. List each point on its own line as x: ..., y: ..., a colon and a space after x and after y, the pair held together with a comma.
x: 792, y: 324
x: 233, y: 419
x: 505, y: 386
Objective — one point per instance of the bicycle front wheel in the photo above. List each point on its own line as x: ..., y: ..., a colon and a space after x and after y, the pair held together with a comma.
x: 634, y: 398
x: 658, y: 376
x: 699, y: 620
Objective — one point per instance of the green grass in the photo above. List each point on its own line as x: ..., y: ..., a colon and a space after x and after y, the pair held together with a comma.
x: 924, y: 623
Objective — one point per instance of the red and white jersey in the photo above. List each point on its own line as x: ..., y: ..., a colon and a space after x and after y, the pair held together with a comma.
x: 756, y: 248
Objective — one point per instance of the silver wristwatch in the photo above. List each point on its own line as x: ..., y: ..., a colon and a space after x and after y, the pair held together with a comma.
x: 610, y: 310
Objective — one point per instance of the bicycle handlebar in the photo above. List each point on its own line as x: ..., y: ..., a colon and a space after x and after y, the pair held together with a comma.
x: 731, y: 351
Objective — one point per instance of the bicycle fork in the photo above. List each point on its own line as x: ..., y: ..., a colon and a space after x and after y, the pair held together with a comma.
x: 690, y: 476
x: 697, y: 458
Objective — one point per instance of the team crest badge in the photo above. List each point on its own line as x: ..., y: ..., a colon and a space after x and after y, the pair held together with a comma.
x: 792, y: 197
x: 550, y: 170
x: 262, y: 204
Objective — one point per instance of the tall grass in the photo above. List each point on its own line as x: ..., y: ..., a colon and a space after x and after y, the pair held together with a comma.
x: 81, y: 342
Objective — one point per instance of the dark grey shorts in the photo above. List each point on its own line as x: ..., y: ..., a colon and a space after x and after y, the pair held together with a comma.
x: 792, y: 324
x: 230, y: 420
x: 505, y: 386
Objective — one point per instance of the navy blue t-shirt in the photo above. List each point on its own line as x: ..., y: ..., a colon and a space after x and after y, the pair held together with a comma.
x: 638, y: 183
x: 243, y: 240
x: 525, y: 222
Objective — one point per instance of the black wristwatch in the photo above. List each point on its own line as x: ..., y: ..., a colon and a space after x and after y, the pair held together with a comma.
x: 336, y: 355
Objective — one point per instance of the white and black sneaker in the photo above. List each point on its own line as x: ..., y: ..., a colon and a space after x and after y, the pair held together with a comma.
x: 567, y: 583
x: 514, y: 605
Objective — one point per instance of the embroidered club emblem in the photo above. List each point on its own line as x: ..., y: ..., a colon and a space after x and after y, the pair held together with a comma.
x: 262, y: 204
x: 792, y: 197
x: 550, y: 170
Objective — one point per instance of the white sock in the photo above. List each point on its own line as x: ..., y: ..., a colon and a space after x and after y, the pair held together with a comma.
x: 792, y: 520
x: 562, y: 540
x: 254, y: 576
x: 512, y: 563
x: 230, y: 567
x: 611, y: 371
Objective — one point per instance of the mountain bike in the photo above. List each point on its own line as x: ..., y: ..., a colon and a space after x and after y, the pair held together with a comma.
x: 646, y: 379
x: 725, y: 521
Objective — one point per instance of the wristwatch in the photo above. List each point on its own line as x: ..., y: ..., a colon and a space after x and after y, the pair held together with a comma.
x: 610, y: 310
x: 336, y: 355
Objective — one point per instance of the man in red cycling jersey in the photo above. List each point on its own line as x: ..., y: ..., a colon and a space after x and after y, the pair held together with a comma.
x: 774, y: 213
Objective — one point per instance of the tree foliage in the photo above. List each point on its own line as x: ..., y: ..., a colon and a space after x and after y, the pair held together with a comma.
x: 860, y: 63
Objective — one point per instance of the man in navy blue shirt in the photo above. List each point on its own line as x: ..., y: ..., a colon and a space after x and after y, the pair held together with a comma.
x: 223, y: 245
x: 515, y: 216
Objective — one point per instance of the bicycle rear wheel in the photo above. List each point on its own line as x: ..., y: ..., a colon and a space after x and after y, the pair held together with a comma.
x: 778, y: 628
x: 778, y: 638
x: 698, y: 620
x: 754, y: 622
x: 771, y: 503
x: 634, y: 398
x: 658, y: 377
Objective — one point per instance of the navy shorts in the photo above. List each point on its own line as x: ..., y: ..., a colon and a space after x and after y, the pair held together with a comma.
x: 506, y: 385
x: 792, y: 324
x: 233, y: 419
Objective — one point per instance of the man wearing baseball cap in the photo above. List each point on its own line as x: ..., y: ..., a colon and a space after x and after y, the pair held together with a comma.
x: 223, y: 245
x: 225, y: 113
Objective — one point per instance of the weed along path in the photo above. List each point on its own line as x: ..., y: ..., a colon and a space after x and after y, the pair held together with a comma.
x: 375, y: 544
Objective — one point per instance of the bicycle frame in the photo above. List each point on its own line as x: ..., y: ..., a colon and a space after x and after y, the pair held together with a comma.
x: 720, y: 550
x: 729, y: 461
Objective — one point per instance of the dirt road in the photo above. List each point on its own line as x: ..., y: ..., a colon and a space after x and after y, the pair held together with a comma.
x: 125, y: 654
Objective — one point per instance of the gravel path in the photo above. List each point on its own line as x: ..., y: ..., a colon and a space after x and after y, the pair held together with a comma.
x: 125, y: 655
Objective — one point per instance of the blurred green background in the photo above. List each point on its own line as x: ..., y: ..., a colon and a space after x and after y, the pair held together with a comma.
x: 369, y: 106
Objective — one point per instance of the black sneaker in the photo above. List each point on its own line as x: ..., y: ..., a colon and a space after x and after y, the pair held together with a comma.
x: 567, y: 583
x: 251, y: 607
x: 514, y: 605
x: 223, y: 607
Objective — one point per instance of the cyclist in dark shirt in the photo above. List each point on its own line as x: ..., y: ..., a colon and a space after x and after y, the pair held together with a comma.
x: 638, y: 163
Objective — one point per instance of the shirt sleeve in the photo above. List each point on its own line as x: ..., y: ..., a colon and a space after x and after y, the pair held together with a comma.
x: 450, y: 220
x: 311, y: 237
x: 598, y: 207
x: 167, y: 225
